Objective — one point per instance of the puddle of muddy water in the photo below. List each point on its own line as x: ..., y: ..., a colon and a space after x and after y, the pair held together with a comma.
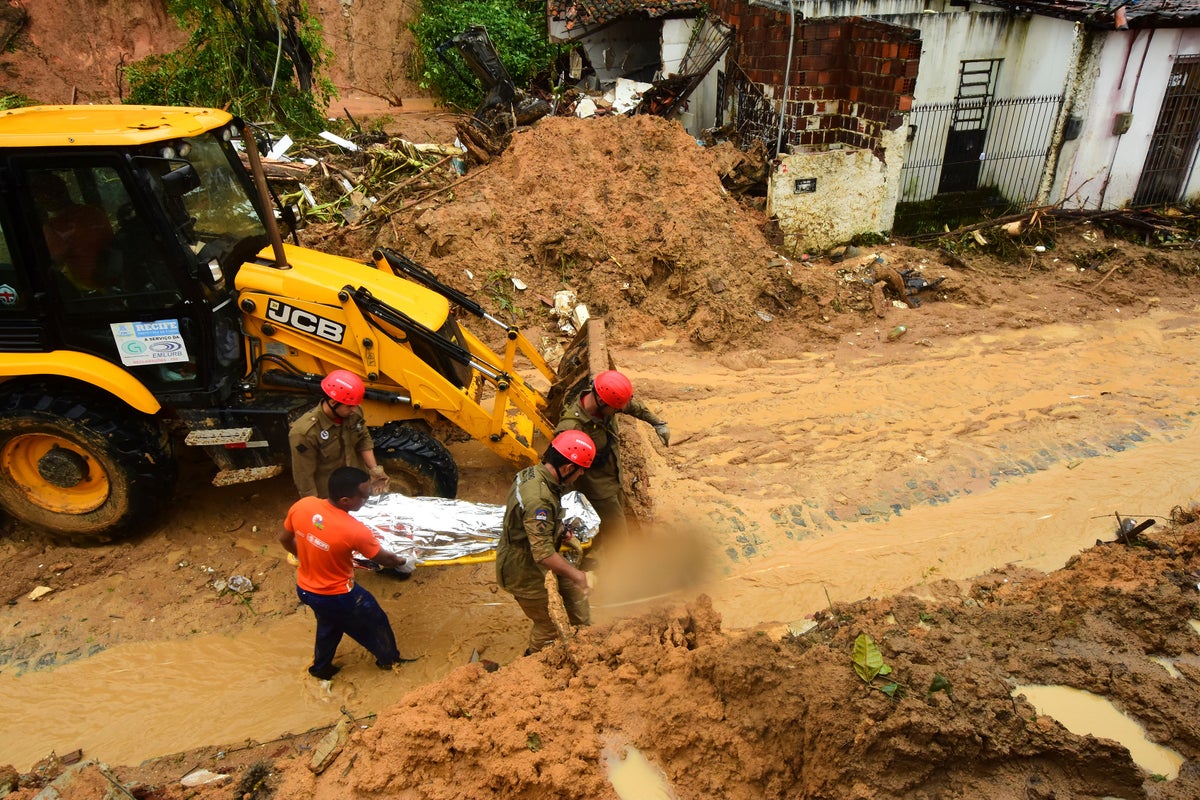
x: 1038, y: 521
x: 131, y: 702
x: 1088, y: 714
x: 136, y: 700
x: 633, y: 777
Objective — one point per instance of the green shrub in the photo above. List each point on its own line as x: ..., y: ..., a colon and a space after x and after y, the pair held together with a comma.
x: 517, y: 29
x: 245, y: 56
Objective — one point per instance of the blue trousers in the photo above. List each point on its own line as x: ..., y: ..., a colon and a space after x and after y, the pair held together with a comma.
x: 356, y: 614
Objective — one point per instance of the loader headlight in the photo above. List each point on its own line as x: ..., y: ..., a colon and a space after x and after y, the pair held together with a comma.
x: 167, y: 152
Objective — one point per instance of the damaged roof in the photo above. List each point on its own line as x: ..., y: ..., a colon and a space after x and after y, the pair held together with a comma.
x: 579, y: 13
x: 1110, y: 15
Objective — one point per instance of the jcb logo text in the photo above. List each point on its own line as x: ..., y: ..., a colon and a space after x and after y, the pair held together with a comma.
x: 305, y: 321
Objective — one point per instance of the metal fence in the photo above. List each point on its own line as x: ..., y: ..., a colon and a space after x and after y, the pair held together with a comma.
x: 991, y: 149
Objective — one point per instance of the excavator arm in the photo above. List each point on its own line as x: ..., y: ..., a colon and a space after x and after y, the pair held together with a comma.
x: 504, y: 106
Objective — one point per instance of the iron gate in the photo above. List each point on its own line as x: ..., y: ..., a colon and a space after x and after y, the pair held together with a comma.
x: 1172, y: 153
x: 1001, y: 156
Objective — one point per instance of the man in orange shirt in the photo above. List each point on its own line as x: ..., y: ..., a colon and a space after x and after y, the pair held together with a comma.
x: 324, y: 537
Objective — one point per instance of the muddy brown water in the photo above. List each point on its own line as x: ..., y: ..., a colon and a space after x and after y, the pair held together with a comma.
x: 790, y: 483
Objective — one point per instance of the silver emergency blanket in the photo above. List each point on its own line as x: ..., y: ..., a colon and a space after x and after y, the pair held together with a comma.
x: 431, y: 530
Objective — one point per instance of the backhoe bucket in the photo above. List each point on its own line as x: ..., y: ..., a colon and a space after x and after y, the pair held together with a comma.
x: 585, y: 356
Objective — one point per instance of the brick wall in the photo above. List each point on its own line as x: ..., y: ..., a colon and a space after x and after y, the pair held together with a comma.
x: 849, y: 79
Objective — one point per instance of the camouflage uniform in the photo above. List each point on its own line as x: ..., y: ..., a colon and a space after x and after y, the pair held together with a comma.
x: 601, y: 483
x: 320, y: 445
x: 532, y: 532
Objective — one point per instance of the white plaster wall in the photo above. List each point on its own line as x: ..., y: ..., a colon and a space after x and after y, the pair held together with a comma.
x: 1129, y: 73
x: 856, y: 193
x: 701, y: 107
x: 676, y: 33
x: 1034, y: 59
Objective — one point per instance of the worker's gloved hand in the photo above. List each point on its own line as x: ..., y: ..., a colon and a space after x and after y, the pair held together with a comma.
x: 379, y: 480
x: 664, y: 433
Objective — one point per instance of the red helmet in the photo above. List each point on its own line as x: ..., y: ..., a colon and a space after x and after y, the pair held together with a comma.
x: 613, y: 388
x: 575, y: 446
x: 343, y: 386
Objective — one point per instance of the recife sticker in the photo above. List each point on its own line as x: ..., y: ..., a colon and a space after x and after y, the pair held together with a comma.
x: 8, y: 295
x: 157, y: 342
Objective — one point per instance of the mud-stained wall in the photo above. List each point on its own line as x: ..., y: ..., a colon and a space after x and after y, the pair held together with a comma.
x: 823, y: 198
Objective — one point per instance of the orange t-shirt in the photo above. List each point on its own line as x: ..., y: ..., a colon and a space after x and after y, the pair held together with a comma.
x: 326, y: 539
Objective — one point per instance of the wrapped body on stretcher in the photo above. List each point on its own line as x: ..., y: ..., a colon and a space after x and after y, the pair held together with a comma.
x: 434, y: 531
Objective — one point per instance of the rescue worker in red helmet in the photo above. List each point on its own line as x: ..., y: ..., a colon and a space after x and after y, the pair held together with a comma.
x: 333, y: 434
x: 594, y: 412
x: 532, y: 533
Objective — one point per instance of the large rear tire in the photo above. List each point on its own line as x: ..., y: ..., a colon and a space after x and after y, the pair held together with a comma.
x: 417, y: 463
x: 88, y: 467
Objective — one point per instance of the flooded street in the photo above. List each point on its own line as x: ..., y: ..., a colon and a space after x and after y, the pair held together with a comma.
x: 803, y: 480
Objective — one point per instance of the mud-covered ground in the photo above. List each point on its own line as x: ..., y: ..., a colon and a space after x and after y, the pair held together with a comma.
x: 805, y: 440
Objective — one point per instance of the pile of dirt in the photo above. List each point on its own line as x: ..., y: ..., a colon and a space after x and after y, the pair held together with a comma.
x: 752, y: 717
x: 627, y: 212
x: 756, y: 716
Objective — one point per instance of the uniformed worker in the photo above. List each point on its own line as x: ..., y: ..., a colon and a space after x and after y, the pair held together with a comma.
x: 533, y: 532
x: 594, y: 412
x: 331, y: 435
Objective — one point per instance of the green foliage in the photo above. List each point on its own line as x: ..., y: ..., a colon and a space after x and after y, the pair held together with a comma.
x: 868, y: 663
x: 254, y: 58
x: 869, y: 239
x: 499, y: 288
x: 517, y: 28
x: 15, y: 101
x: 952, y: 210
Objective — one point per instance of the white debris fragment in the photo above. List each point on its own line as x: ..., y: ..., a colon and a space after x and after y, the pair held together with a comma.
x: 585, y: 108
x: 564, y: 301
x: 203, y: 777
x: 281, y: 147
x: 39, y: 592
x: 519, y: 284
x: 627, y: 94
x: 339, y: 141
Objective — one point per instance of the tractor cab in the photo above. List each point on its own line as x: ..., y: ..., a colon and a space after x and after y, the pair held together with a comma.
x: 122, y: 243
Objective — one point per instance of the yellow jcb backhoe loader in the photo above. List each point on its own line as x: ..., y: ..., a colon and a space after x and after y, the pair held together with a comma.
x: 147, y: 298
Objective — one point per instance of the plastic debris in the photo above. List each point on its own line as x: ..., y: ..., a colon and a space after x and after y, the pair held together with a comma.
x: 339, y: 141
x: 203, y: 777
x: 240, y: 584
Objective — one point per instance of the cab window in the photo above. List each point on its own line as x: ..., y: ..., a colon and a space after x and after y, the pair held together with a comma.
x: 103, y: 254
